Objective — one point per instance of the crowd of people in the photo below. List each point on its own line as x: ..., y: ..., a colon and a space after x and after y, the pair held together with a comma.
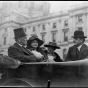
x: 31, y: 51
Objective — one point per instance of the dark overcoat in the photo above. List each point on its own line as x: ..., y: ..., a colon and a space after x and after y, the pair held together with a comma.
x: 73, y: 55
x: 24, y: 55
x: 57, y: 57
x: 18, y: 52
x: 53, y: 70
x: 40, y: 68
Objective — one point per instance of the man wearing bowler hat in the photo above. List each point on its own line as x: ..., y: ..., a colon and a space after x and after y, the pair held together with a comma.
x: 18, y: 51
x: 79, y: 50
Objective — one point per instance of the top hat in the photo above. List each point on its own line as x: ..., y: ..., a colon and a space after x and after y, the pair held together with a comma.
x: 19, y: 32
x: 52, y: 44
x: 34, y: 37
x: 79, y: 34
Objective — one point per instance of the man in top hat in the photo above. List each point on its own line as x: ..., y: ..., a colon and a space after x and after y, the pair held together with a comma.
x: 19, y: 51
x: 79, y: 50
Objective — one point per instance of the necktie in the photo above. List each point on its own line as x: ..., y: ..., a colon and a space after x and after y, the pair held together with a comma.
x: 78, y: 68
x: 77, y: 53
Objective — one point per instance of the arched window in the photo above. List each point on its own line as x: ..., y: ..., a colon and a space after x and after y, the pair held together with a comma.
x: 54, y: 25
x: 80, y: 28
x: 54, y: 37
x: 33, y: 29
x: 64, y: 54
x: 43, y: 37
x: 4, y: 40
x: 65, y: 36
x: 43, y: 27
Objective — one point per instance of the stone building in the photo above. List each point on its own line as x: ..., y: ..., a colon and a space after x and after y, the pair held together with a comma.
x: 13, y: 14
x: 56, y: 27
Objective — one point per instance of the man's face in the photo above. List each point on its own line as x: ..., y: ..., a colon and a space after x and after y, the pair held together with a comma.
x: 78, y: 41
x: 23, y: 40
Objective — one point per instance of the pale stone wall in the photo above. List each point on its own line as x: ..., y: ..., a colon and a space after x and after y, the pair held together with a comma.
x: 48, y: 21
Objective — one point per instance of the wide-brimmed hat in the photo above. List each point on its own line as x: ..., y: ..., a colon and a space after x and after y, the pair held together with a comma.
x: 79, y: 34
x: 19, y: 32
x: 52, y: 44
x: 34, y: 37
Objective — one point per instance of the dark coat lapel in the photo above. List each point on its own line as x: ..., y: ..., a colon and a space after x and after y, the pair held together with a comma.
x: 21, y: 48
x: 82, y: 50
x: 73, y: 53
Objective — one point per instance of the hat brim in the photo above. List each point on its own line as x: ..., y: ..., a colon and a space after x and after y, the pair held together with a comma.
x: 79, y: 37
x: 52, y: 46
x: 20, y: 36
x: 40, y: 42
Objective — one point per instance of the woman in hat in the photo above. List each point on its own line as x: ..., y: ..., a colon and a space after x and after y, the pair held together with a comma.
x: 52, y: 56
x: 78, y: 51
x: 33, y: 44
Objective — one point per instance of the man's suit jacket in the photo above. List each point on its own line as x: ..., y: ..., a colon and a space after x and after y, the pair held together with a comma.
x: 18, y: 52
x: 24, y: 55
x: 73, y: 56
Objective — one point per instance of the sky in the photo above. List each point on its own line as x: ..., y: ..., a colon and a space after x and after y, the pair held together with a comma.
x: 57, y: 6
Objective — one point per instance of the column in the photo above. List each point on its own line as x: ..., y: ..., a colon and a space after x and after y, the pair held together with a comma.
x: 40, y: 30
x: 58, y: 33
x: 51, y: 25
x: 85, y: 27
x: 47, y: 32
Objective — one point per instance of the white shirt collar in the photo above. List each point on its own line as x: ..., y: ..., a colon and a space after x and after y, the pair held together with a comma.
x: 19, y: 44
x: 79, y: 47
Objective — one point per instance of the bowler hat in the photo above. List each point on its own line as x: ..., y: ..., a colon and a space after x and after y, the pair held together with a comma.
x: 19, y: 32
x: 52, y: 44
x: 79, y: 34
x: 34, y: 37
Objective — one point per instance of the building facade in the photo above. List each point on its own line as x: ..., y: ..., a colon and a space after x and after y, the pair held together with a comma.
x: 56, y: 27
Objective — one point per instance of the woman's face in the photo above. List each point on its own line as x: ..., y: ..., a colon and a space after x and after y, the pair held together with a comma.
x: 34, y: 44
x: 51, y: 49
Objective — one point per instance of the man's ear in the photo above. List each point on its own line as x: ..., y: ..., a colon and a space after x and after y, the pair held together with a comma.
x: 82, y: 40
x: 19, y: 39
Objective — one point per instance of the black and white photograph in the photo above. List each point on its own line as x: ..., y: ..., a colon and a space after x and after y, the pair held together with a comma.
x: 44, y: 44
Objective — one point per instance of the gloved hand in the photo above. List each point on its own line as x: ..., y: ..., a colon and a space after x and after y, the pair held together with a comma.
x: 37, y: 54
x: 19, y: 62
x: 50, y: 59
